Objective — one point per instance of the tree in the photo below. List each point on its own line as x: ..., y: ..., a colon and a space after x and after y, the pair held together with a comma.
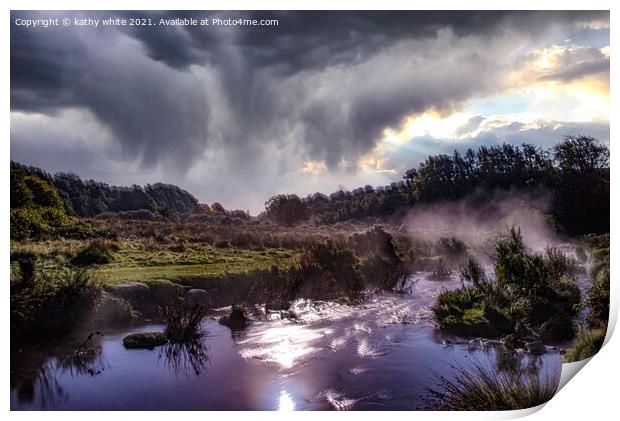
x: 287, y: 209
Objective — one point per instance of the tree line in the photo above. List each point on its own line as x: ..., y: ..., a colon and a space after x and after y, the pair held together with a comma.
x: 90, y: 198
x: 574, y: 172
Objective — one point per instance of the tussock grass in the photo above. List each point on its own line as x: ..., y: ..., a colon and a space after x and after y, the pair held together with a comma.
x: 183, y: 322
x: 477, y: 387
x: 46, y: 304
x: 588, y: 343
x: 97, y: 252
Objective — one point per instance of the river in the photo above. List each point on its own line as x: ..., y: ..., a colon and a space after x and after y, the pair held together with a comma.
x: 382, y: 354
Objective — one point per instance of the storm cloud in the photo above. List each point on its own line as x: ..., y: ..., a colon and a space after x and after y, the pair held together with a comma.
x: 319, y: 86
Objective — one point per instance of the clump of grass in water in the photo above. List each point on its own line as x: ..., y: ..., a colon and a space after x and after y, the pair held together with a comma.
x: 236, y: 320
x: 183, y: 322
x: 480, y: 388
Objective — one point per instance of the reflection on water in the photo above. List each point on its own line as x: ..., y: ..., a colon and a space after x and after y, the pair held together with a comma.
x: 189, y: 358
x: 285, y: 402
x: 33, y: 377
x: 377, y: 355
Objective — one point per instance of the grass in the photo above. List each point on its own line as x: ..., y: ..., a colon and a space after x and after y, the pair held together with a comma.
x: 97, y: 252
x: 47, y: 304
x: 183, y: 322
x: 477, y: 387
x: 588, y: 343
x: 143, y: 260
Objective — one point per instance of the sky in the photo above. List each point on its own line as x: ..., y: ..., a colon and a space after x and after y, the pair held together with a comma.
x: 236, y: 114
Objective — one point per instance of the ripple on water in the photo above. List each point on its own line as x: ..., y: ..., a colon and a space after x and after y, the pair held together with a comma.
x: 366, y: 350
x: 337, y: 399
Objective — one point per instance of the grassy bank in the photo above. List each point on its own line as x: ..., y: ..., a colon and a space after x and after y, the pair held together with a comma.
x: 149, y: 264
x: 141, y: 260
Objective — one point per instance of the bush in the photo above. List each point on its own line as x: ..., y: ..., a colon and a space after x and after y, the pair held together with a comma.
x: 97, y: 252
x: 328, y: 271
x: 532, y: 296
x: 462, y: 312
x: 36, y: 207
x: 52, y: 303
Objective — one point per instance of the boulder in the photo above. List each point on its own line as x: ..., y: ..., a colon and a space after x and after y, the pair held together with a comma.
x: 535, y: 347
x: 112, y: 310
x: 148, y: 340
x: 133, y: 291
x: 164, y: 292
x: 197, y: 297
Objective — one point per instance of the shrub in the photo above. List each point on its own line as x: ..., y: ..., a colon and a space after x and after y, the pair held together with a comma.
x: 532, y: 296
x: 52, y: 303
x: 598, y: 300
x: 328, y: 271
x: 97, y: 252
x: 598, y: 294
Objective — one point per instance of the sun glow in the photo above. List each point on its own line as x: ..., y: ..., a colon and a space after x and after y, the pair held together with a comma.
x: 285, y: 401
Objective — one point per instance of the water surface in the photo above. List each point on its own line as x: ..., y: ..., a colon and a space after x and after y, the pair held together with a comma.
x: 383, y: 354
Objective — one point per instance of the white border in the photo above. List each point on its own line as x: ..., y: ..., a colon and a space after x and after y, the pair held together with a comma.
x: 593, y: 394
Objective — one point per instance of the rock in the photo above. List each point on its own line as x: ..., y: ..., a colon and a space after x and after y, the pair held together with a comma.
x: 164, y: 292
x: 133, y: 291
x: 197, y: 297
x: 112, y: 310
x: 535, y: 347
x: 148, y: 340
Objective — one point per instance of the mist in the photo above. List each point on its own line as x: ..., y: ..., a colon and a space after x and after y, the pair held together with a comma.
x: 480, y: 221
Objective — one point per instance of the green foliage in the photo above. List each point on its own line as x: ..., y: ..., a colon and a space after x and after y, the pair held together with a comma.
x: 287, y: 209
x: 148, y: 340
x: 532, y: 296
x: 477, y: 387
x: 90, y: 198
x: 334, y: 269
x: 51, y: 303
x: 37, y: 209
x: 598, y: 298
x: 97, y: 252
x: 588, y: 343
x: 328, y: 271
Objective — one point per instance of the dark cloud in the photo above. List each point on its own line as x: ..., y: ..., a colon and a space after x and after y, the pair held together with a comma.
x: 574, y: 65
x: 320, y: 85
